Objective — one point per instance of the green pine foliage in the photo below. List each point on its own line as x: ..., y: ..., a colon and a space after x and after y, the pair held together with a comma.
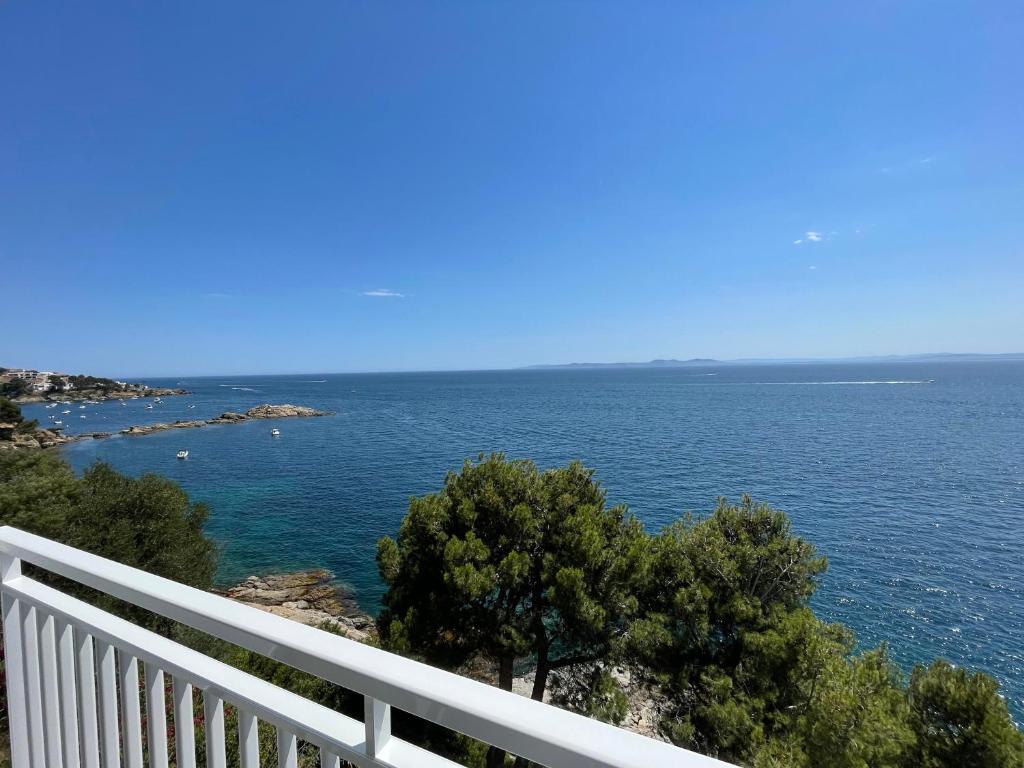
x: 519, y: 566
x: 714, y: 610
x: 147, y: 522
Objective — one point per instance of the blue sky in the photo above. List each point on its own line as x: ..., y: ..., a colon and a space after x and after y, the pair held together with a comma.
x: 234, y: 187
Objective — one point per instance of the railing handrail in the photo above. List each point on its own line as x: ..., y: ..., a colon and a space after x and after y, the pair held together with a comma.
x: 536, y: 731
x: 310, y: 721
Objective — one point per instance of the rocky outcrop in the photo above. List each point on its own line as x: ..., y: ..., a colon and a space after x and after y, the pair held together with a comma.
x: 309, y: 597
x: 148, y: 429
x: 265, y: 411
x: 45, y: 438
x: 315, y: 599
x: 77, y: 395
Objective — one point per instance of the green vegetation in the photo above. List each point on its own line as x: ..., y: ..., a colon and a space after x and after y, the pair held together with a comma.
x: 148, y: 523
x: 510, y: 562
x: 10, y: 413
x: 525, y: 566
x: 80, y: 382
x: 145, y: 522
x: 713, y: 611
x: 15, y: 388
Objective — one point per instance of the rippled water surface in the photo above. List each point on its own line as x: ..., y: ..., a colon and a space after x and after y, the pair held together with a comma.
x: 910, y: 477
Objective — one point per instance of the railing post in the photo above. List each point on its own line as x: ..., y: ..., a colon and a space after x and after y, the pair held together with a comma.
x: 14, y: 661
x: 377, y: 718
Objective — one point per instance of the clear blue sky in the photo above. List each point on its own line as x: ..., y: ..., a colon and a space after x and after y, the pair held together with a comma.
x: 233, y: 187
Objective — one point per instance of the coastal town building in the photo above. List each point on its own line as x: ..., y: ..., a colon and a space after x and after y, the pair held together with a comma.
x: 39, y: 381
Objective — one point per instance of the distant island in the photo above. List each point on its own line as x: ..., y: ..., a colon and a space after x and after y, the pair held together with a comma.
x: 27, y: 385
x: 697, y: 362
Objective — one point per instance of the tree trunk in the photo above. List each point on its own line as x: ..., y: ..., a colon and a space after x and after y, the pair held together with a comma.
x: 496, y: 755
x: 540, y: 683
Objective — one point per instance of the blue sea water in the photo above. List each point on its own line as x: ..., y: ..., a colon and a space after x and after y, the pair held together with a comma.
x: 909, y: 476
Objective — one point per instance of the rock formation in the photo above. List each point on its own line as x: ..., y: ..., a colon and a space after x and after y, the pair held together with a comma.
x: 309, y: 597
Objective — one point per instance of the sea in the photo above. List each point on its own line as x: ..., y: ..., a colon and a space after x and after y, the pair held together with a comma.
x: 908, y: 476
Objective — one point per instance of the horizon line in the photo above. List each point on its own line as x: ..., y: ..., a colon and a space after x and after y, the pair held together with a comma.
x: 667, y: 362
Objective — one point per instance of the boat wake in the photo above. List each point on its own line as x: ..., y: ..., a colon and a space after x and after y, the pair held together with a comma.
x: 810, y: 383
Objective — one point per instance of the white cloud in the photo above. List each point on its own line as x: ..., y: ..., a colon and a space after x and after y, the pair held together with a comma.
x: 812, y: 267
x: 811, y: 237
x: 384, y: 293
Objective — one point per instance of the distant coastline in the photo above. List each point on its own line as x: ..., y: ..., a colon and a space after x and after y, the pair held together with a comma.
x: 699, y: 362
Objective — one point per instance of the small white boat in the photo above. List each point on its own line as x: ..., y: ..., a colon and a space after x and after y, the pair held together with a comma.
x: 149, y: 407
x: 81, y: 407
x: 275, y: 432
x: 82, y: 416
x: 182, y: 454
x: 58, y: 421
x: 66, y: 411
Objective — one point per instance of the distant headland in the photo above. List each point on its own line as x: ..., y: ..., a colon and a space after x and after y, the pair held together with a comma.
x: 696, y: 362
x: 27, y: 385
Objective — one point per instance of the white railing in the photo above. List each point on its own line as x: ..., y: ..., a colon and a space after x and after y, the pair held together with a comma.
x: 73, y: 681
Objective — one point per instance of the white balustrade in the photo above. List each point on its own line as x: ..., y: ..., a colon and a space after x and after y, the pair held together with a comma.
x: 75, y: 692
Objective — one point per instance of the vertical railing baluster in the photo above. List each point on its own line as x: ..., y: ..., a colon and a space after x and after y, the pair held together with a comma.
x: 30, y: 646
x: 287, y: 749
x: 110, y: 743
x: 377, y: 719
x: 184, y: 726
x: 156, y: 716
x: 49, y: 683
x: 213, y: 712
x: 14, y: 661
x: 248, y: 740
x: 131, y: 715
x: 88, y: 720
x: 68, y: 693
x: 328, y: 759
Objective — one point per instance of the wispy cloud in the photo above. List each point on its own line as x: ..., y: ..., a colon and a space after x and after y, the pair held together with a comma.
x: 810, y: 237
x: 384, y: 293
x: 907, y: 166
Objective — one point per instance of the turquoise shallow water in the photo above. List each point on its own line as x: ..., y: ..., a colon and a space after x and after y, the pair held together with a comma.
x: 915, y: 491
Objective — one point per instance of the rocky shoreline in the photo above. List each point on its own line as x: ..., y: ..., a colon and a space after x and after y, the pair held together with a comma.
x: 308, y: 597
x: 42, y: 437
x: 265, y: 411
x: 314, y: 598
x: 78, y: 395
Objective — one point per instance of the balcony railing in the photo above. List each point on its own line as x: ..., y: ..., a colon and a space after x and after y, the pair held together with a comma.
x: 74, y: 674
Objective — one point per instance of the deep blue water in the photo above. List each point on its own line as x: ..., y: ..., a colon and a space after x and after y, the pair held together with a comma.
x: 915, y: 491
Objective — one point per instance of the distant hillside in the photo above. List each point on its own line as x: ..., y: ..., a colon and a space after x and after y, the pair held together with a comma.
x: 696, y: 361
x: 928, y: 357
